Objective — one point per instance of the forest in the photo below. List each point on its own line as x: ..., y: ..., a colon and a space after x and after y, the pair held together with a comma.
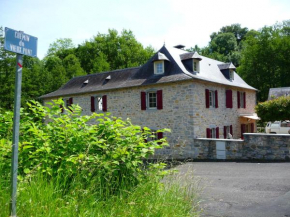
x: 261, y: 57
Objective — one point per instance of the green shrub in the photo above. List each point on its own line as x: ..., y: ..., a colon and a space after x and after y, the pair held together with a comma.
x: 274, y: 110
x: 98, y: 147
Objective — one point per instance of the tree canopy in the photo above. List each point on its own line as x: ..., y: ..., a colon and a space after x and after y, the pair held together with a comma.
x: 265, y: 61
x: 64, y: 61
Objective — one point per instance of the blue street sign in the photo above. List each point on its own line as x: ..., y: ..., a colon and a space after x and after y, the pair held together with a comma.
x: 19, y: 42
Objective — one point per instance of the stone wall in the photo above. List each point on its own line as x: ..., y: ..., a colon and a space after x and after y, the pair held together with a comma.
x: 253, y: 147
x: 221, y: 116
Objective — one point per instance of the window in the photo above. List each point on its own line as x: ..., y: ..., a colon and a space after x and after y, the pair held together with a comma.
x: 152, y: 100
x: 212, y: 132
x: 229, y: 99
x: 228, y: 132
x: 154, y: 136
x: 232, y: 74
x: 195, y: 65
x: 67, y: 102
x: 247, y: 128
x: 99, y: 103
x: 159, y: 67
x: 241, y: 99
x: 211, y: 98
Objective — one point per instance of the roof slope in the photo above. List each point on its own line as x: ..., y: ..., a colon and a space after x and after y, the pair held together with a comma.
x: 144, y: 75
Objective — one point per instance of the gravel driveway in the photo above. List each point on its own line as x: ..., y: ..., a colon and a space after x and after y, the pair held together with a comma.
x: 243, y: 189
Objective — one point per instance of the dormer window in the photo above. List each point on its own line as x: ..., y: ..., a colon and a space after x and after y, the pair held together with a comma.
x: 159, y: 59
x: 195, y: 66
x: 232, y: 74
x: 158, y: 67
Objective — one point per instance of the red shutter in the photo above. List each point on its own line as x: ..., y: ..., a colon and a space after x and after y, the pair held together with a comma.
x: 252, y: 128
x: 143, y: 100
x: 225, y: 132
x: 238, y: 98
x: 104, y: 101
x: 93, y: 104
x: 208, y: 133
x: 244, y: 99
x: 70, y: 101
x: 160, y: 136
x: 159, y: 100
x: 216, y: 99
x: 207, y: 98
x: 243, y: 129
x: 217, y: 133
x: 229, y: 99
x: 231, y: 130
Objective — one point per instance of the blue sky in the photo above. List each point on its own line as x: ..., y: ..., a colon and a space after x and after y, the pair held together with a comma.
x: 186, y: 22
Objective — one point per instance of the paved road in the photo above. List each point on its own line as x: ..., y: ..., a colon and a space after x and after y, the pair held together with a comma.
x: 243, y: 189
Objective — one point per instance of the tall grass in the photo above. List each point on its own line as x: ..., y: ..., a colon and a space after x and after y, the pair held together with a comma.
x: 42, y: 197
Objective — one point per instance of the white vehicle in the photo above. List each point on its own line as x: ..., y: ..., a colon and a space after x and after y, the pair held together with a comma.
x: 278, y: 127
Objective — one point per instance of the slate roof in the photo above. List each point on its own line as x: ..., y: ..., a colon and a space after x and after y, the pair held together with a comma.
x: 190, y: 55
x: 226, y: 66
x: 277, y: 92
x: 144, y: 75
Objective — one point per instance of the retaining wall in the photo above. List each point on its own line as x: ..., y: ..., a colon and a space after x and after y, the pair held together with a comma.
x: 254, y: 147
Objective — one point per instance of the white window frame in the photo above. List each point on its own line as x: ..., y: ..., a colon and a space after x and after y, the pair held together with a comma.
x: 148, y: 99
x: 158, y: 70
x: 211, y: 98
x: 98, y: 103
x: 195, y: 65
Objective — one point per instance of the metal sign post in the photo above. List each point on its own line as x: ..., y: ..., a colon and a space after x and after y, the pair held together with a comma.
x: 16, y: 121
x: 22, y: 44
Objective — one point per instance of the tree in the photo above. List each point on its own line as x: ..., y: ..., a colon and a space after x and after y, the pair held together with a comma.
x: 112, y: 51
x: 61, y: 45
x: 265, y: 59
x: 56, y: 72
x: 7, y: 75
x: 72, y: 66
x: 236, y: 29
x: 274, y: 110
x: 226, y: 44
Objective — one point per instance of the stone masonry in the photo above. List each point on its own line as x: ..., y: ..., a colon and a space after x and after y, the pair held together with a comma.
x: 183, y: 112
x: 253, y: 147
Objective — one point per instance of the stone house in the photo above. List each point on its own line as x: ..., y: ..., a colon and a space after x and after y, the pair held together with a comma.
x: 278, y: 92
x: 194, y: 96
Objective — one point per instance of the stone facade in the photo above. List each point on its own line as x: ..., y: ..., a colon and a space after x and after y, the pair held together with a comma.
x: 184, y: 112
x: 253, y: 147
